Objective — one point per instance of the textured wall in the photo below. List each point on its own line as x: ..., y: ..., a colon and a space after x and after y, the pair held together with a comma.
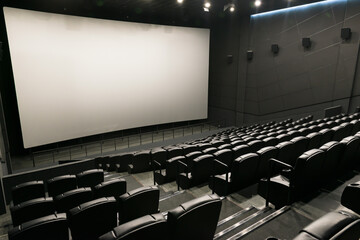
x: 299, y: 81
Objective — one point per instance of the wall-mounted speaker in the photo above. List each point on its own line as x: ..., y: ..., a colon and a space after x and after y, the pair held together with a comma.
x: 249, y: 54
x: 275, y: 48
x: 306, y: 42
x: 229, y: 59
x: 346, y: 33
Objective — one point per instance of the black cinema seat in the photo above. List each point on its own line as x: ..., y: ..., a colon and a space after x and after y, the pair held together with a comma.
x: 304, y: 177
x: 27, y: 191
x: 240, y: 150
x: 255, y: 145
x: 356, y: 126
x: 140, y: 162
x: 225, y: 146
x: 218, y: 143
x: 339, y: 133
x: 139, y: 202
x: 32, y: 209
x: 265, y: 154
x: 195, y: 219
x: 314, y: 140
x: 52, y: 227
x: 286, y: 152
x: 189, y: 148
x: 333, y: 154
x: 122, y: 161
x: 210, y: 150
x: 270, y: 141
x: 72, y: 198
x: 146, y: 227
x: 300, y: 146
x: 169, y: 173
x: 159, y: 155
x: 326, y: 135
x: 90, y: 178
x: 224, y: 156
x: 111, y: 188
x: 202, y: 169
x: 61, y: 184
x: 174, y: 152
x: 349, y: 159
x: 102, y: 162
x: 243, y: 173
x: 92, y: 219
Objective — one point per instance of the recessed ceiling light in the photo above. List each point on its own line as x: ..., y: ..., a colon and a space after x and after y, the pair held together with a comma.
x: 232, y: 9
x: 207, y: 5
x: 180, y: 1
x: 206, y: 9
x: 257, y: 3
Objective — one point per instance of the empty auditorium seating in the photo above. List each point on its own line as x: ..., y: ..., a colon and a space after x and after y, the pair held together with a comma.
x: 32, y: 209
x: 27, y: 191
x: 139, y: 202
x: 140, y: 162
x: 61, y: 184
x: 285, y: 152
x: 349, y: 160
x: 240, y: 150
x: 315, y: 139
x: 304, y: 177
x: 72, y: 198
x: 243, y: 173
x: 90, y: 178
x: 122, y: 161
x: 102, y: 162
x: 92, y: 219
x: 333, y: 153
x: 169, y: 173
x: 146, y: 227
x: 265, y: 154
x: 53, y: 227
x: 159, y: 155
x: 202, y: 169
x: 196, y: 219
x: 111, y: 188
x: 210, y: 150
x: 225, y: 156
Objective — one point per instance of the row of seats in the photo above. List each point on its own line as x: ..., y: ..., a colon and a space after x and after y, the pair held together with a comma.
x: 62, y: 203
x: 196, y: 219
x: 55, y: 186
x: 311, y: 170
x: 342, y: 223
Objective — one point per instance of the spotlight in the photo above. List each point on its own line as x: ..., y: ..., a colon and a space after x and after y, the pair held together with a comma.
x: 232, y: 9
x: 180, y: 1
x: 207, y: 5
x: 230, y: 6
x: 257, y: 3
x: 206, y: 9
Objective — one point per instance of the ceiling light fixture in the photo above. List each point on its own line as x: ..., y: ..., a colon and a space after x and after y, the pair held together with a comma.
x: 230, y: 6
x: 207, y: 5
x: 257, y: 3
x: 206, y: 9
x: 232, y: 9
x: 180, y: 1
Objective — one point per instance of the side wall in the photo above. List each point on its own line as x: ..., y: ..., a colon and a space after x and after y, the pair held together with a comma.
x: 298, y: 81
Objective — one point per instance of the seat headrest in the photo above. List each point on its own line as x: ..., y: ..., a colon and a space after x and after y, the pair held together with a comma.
x: 205, y: 157
x: 138, y: 191
x: 246, y: 156
x: 266, y: 149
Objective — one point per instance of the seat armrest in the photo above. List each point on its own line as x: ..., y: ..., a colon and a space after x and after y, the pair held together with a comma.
x: 182, y: 167
x: 222, y: 167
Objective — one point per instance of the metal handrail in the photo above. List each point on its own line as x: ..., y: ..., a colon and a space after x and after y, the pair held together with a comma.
x: 138, y: 135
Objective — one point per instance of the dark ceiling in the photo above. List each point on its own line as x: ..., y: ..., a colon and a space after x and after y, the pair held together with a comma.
x: 189, y: 13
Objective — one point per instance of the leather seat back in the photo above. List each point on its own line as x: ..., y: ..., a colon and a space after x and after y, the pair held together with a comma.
x: 140, y: 162
x: 111, y: 188
x: 61, y: 184
x: 52, y: 227
x: 172, y: 166
x: 308, y: 168
x: 224, y: 156
x: 349, y: 160
x: 90, y: 220
x: 139, y: 202
x: 202, y: 169
x: 255, y: 145
x: 339, y: 133
x: 174, y: 152
x: 326, y: 135
x: 90, y: 178
x: 265, y: 154
x: 270, y: 141
x: 32, y: 209
x: 72, y: 198
x: 146, y: 227
x: 240, y: 150
x: 189, y: 148
x: 123, y: 160
x: 210, y: 150
x: 285, y: 151
x: 195, y: 219
x: 225, y: 146
x: 314, y: 140
x: 300, y: 146
x: 27, y: 191
x: 159, y: 155
x: 244, y: 170
x: 333, y: 153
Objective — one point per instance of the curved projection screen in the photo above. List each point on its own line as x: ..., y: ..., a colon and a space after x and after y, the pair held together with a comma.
x: 77, y: 76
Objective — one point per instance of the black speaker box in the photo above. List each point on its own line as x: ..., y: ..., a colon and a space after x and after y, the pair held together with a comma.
x: 346, y: 33
x: 249, y: 55
x: 229, y: 59
x: 275, y: 48
x: 306, y: 42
